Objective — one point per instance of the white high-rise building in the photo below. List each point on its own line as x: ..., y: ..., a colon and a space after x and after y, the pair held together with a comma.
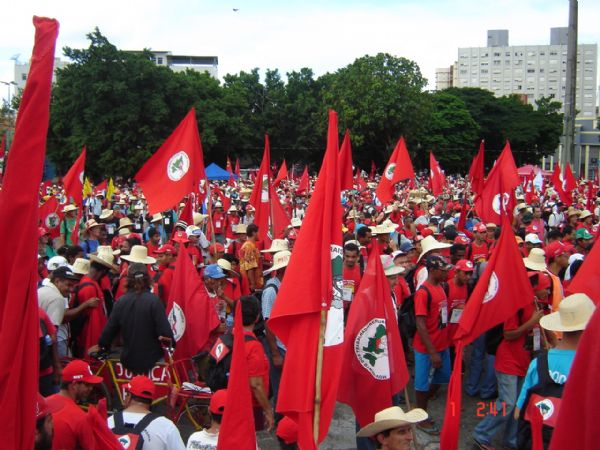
x: 531, y: 71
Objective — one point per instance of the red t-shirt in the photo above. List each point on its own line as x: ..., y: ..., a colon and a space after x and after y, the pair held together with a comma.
x: 71, y: 430
x: 163, y: 286
x: 401, y: 291
x: 436, y: 317
x: 350, y: 283
x: 511, y: 357
x: 219, y: 222
x: 151, y: 248
x: 96, y: 317
x: 232, y: 221
x: 478, y: 252
x: 457, y: 297
x: 51, y: 332
x: 258, y: 364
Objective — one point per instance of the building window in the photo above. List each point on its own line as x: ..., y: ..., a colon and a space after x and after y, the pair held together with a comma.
x: 24, y: 77
x: 159, y: 61
x: 542, y: 70
x: 542, y: 53
x: 484, y: 71
x: 553, y: 53
x: 530, y: 70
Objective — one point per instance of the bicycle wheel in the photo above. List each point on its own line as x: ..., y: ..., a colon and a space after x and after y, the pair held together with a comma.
x: 193, y: 417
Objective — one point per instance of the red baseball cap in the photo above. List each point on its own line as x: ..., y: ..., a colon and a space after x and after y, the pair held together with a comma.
x: 480, y: 228
x: 287, y: 430
x: 465, y: 265
x: 543, y: 281
x: 166, y: 248
x: 42, y: 231
x: 214, y: 248
x: 426, y: 232
x: 180, y: 237
x: 555, y: 249
x: 141, y: 386
x: 46, y: 406
x: 217, y: 402
x: 79, y: 371
x: 462, y: 240
x: 531, y: 229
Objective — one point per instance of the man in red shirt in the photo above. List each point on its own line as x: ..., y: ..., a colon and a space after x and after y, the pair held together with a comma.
x: 258, y: 365
x: 219, y: 220
x: 165, y: 256
x: 44, y: 427
x: 71, y: 430
x: 458, y: 293
x: 479, y: 249
x: 431, y: 341
x: 351, y: 275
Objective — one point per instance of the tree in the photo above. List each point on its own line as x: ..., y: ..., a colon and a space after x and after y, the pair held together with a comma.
x: 378, y: 98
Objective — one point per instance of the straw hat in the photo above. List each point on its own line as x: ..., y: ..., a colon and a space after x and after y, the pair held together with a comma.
x: 124, y: 231
x: 584, y: 214
x: 391, y: 418
x: 429, y: 243
x: 280, y: 260
x: 224, y: 264
x: 107, y: 250
x: 536, y: 259
x: 277, y: 245
x: 105, y: 214
x: 198, y: 218
x: 232, y: 209
x: 387, y: 226
x: 374, y: 230
x: 105, y: 259
x: 240, y: 228
x: 91, y: 224
x: 572, y: 212
x: 69, y: 208
x: 574, y: 313
x: 139, y: 254
x: 156, y: 218
x: 125, y: 222
x: 390, y: 269
x: 81, y: 266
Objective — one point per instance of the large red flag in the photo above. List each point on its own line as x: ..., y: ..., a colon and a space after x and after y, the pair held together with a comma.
x: 190, y: 311
x: 502, y: 290
x: 559, y: 184
x: 570, y: 183
x: 587, y: 278
x: 19, y: 325
x: 237, y: 167
x: 102, y: 436
x: 228, y: 167
x: 175, y: 169
x: 398, y: 168
x: 495, y: 199
x: 374, y: 368
x: 237, y: 428
x: 579, y: 409
x: 73, y: 180
x: 373, y: 171
x: 281, y: 175
x: 437, y: 177
x: 304, y: 183
x: 361, y: 184
x: 476, y: 174
x: 345, y: 163
x: 260, y: 197
x: 309, y: 293
x: 50, y: 216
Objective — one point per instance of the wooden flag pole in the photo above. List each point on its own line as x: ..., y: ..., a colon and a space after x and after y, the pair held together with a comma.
x: 319, y: 377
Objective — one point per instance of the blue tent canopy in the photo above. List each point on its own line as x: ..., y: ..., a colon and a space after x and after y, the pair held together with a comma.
x: 214, y: 172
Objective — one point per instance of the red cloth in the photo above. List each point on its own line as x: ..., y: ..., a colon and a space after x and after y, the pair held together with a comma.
x: 579, y: 409
x: 559, y: 184
x: 232, y: 221
x: 437, y: 177
x: 190, y: 312
x: 398, y: 168
x: 433, y: 315
x: 345, y: 163
x: 494, y: 200
x: 257, y: 362
x: 303, y: 184
x: 306, y: 291
x: 587, y: 279
x: 103, y: 437
x: 51, y: 331
x: 96, y: 317
x: 165, y: 281
x: 457, y: 297
x: 374, y: 360
x: 511, y: 356
x: 232, y: 289
x: 175, y: 170
x: 219, y: 224
x: 476, y: 172
x: 73, y: 180
x: 51, y: 216
x: 478, y: 252
x: 350, y: 284
x: 501, y: 291
x: 237, y: 427
x: 281, y: 175
x: 71, y: 430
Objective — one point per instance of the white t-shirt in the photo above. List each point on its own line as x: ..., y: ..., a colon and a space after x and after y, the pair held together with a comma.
x: 203, y: 440
x: 161, y: 434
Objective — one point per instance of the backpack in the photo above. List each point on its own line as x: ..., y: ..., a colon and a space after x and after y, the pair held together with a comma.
x: 259, y: 327
x: 494, y: 336
x: 45, y: 347
x: 128, y: 435
x: 407, y: 317
x: 218, y: 366
x: 545, y: 395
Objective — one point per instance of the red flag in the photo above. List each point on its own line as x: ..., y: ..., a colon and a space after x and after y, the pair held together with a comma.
x: 281, y: 175
x: 102, y: 436
x: 237, y: 428
x: 306, y: 294
x: 190, y: 311
x: 559, y: 184
x: 187, y: 214
x: 237, y: 167
x: 462, y: 220
x: 502, y: 290
x: 101, y: 188
x: 528, y: 188
x: 476, y: 174
x: 398, y: 168
x: 50, y: 216
x: 19, y: 324
x: 345, y: 163
x: 261, y: 198
x: 361, y: 184
x: 374, y: 368
x: 73, y: 180
x: 76, y: 226
x: 228, y: 167
x: 494, y: 201
x: 280, y: 219
x: 175, y: 169
x: 437, y: 177
x: 304, y: 183
x: 570, y: 181
x: 579, y: 409
x: 373, y: 171
x: 587, y: 278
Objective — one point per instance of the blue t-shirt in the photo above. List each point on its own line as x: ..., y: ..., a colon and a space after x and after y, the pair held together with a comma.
x: 559, y: 366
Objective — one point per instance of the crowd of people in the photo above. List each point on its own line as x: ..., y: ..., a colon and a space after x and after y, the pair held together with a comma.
x: 106, y: 274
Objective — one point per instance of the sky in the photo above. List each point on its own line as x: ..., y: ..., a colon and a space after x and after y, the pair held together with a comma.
x: 289, y: 34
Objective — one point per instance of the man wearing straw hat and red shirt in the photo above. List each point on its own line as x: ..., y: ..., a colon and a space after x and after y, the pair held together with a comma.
x: 392, y: 428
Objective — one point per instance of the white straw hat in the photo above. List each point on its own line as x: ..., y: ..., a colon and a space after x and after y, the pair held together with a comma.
x: 429, y: 243
x: 574, y: 313
x: 81, y: 266
x: 536, y: 259
x: 280, y: 260
x: 139, y: 254
x: 391, y: 418
x: 277, y: 245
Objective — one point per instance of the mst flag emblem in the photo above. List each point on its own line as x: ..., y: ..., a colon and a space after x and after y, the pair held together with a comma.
x: 498, y: 209
x: 389, y: 171
x: 178, y: 165
x: 177, y: 320
x: 492, y: 289
x: 334, y: 332
x: 371, y: 349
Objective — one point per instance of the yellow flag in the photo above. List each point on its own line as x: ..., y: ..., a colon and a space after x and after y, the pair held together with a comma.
x: 87, y: 188
x: 110, y: 190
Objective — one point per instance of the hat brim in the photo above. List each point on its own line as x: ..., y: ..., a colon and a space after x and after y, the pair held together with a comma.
x: 105, y: 216
x: 531, y: 265
x: 146, y: 260
x: 552, y: 322
x: 438, y: 246
x: 92, y: 379
x: 414, y: 416
x: 275, y: 267
x: 396, y: 270
x: 106, y: 264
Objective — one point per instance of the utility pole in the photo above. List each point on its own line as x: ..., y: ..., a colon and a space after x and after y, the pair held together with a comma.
x: 570, y: 90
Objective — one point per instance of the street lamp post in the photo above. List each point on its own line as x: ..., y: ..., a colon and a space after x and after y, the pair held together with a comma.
x: 10, y: 121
